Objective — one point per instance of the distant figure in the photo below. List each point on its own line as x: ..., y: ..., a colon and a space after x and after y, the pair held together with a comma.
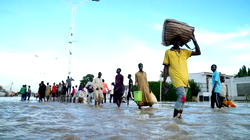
x: 111, y: 91
x: 89, y: 90
x: 64, y: 91
x: 29, y: 93
x: 48, y: 91
x: 148, y: 98
x: 59, y: 89
x: 216, y: 88
x: 76, y: 95
x: 68, y: 81
x: 105, y: 86
x: 130, y: 89
x: 97, y: 84
x: 26, y: 91
x: 22, y: 91
x: 42, y: 90
x: 37, y: 95
x: 118, y: 88
x: 54, y: 91
x: 73, y: 93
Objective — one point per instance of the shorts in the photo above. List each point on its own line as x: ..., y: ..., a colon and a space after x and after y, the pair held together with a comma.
x: 181, y: 92
x: 53, y: 94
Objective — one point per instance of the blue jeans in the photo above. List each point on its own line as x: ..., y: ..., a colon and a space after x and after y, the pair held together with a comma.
x: 180, y: 92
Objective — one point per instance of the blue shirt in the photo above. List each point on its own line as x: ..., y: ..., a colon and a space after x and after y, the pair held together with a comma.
x: 216, y: 77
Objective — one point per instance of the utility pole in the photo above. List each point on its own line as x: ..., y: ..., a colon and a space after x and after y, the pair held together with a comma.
x: 72, y: 23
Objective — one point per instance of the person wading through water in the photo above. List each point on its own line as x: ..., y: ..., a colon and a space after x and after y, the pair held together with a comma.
x: 97, y: 84
x: 130, y: 89
x: 175, y: 64
x: 118, y: 88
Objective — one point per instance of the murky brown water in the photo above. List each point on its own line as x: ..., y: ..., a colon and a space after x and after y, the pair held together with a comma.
x: 55, y: 120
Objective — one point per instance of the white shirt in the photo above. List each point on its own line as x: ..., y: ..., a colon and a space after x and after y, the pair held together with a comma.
x: 112, y: 89
x: 223, y: 90
x: 97, y: 83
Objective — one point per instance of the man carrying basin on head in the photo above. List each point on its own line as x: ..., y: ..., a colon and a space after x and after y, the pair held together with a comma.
x: 175, y: 65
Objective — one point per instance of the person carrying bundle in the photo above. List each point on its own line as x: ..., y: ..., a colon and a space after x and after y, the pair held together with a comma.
x: 175, y: 65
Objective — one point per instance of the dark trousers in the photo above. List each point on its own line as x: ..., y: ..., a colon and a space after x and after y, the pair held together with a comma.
x: 29, y: 96
x: 215, y: 98
x: 22, y: 97
x: 104, y: 97
x: 110, y: 98
x: 25, y: 96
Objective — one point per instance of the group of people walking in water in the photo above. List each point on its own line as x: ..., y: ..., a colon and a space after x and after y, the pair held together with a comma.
x: 97, y: 89
x: 175, y: 65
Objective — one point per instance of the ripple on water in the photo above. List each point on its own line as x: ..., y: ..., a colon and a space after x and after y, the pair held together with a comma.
x: 55, y: 120
x: 143, y: 117
x: 172, y: 127
x: 70, y: 137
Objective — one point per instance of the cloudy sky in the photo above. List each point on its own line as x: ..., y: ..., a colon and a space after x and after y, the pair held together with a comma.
x: 113, y: 34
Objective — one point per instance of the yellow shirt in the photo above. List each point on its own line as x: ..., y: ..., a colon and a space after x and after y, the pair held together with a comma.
x: 178, y: 70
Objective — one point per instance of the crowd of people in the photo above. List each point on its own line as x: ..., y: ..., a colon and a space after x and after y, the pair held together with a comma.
x: 175, y: 66
x: 96, y: 89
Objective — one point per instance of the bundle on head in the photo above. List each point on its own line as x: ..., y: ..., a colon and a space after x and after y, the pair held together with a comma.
x: 173, y: 28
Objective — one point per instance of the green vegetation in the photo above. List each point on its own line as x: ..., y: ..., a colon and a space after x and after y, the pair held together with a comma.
x: 171, y: 95
x: 85, y: 80
x: 243, y: 72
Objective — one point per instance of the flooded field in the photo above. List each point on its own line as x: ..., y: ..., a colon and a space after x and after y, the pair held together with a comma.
x: 55, y: 120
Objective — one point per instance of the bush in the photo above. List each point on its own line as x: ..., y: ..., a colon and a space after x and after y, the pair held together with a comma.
x: 194, y: 88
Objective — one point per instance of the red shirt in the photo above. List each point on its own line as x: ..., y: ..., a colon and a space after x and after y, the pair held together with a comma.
x: 73, y: 91
x: 54, y: 89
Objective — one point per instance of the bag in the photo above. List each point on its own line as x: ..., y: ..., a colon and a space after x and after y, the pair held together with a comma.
x: 90, y: 88
x: 173, y: 28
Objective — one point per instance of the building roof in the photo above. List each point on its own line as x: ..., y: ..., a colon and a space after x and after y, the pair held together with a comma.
x: 210, y: 74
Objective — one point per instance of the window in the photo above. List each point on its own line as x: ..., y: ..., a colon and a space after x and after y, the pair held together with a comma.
x: 243, y: 89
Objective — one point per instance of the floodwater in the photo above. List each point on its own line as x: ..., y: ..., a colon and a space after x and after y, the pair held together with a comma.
x: 69, y: 121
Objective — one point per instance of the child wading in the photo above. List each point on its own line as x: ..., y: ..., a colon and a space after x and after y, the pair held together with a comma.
x: 175, y: 64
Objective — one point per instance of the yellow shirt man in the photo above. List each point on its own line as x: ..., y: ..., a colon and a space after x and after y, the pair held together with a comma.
x: 178, y: 70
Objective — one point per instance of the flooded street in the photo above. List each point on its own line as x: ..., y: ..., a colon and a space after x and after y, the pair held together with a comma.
x: 55, y: 120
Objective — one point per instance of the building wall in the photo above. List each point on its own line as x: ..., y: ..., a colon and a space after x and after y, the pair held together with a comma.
x: 198, y: 77
x: 233, y: 83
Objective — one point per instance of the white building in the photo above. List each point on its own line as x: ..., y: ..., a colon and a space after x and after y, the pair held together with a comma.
x: 237, y: 87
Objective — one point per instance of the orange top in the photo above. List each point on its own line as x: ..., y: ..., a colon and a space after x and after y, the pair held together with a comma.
x: 104, y: 85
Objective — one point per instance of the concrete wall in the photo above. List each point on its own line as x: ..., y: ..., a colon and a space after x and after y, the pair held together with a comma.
x: 232, y: 87
x: 198, y: 77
